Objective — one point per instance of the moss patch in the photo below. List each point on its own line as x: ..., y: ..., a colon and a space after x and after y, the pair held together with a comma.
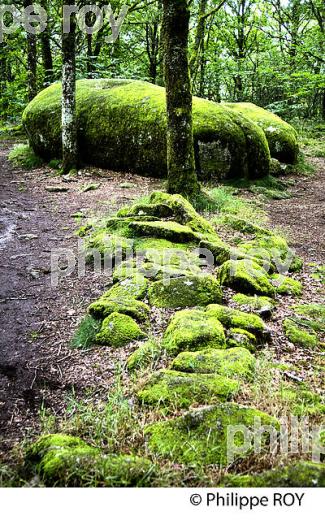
x: 200, y: 437
x: 286, y: 286
x: 119, y: 330
x: 181, y: 390
x: 104, y: 307
x: 185, y: 292
x: 231, y: 318
x: 261, y: 305
x: 245, y: 276
x: 299, y: 474
x: 193, y: 330
x: 298, y: 335
x: 241, y: 338
x: 22, y: 156
x: 146, y: 355
x: 67, y: 461
x: 235, y: 362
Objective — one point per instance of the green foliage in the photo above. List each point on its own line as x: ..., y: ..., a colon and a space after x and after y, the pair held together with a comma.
x: 85, y: 335
x: 22, y: 156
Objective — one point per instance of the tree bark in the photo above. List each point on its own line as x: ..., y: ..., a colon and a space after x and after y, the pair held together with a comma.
x: 182, y: 177
x: 31, y: 61
x: 46, y: 50
x: 69, y: 126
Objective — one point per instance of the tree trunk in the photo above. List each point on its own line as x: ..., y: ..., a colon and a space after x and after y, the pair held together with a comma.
x: 182, y: 176
x: 31, y: 62
x: 69, y: 126
x: 46, y: 50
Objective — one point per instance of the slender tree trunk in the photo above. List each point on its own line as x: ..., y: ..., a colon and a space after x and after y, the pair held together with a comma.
x: 46, y: 50
x: 31, y: 61
x: 182, y: 176
x: 69, y: 125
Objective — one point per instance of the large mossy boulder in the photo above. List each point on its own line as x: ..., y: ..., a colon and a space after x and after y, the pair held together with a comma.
x: 122, y: 126
x: 282, y: 137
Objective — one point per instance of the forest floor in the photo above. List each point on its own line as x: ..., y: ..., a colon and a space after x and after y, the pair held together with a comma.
x: 38, y: 370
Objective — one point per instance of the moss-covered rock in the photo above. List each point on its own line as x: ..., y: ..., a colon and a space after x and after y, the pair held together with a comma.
x: 104, y: 307
x: 131, y: 288
x: 180, y: 390
x: 244, y: 226
x: 311, y: 316
x: 285, y: 285
x: 232, y: 318
x: 296, y: 475
x: 282, y: 137
x: 188, y: 291
x: 193, y: 330
x: 275, y: 253
x: 168, y: 230
x: 119, y: 330
x: 235, y: 363
x: 241, y: 338
x: 145, y: 356
x: 245, y: 276
x: 261, y: 305
x: 298, y: 335
x: 109, y: 246
x: 119, y: 120
x: 200, y: 437
x: 64, y: 461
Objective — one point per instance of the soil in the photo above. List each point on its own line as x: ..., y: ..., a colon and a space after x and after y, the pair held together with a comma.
x: 37, y: 320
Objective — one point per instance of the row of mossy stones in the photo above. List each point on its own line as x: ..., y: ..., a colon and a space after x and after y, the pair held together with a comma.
x: 209, y: 346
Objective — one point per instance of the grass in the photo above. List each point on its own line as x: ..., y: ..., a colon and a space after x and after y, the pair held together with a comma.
x: 85, y: 335
x: 22, y: 156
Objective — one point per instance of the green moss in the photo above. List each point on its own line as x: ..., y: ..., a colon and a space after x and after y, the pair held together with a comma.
x: 233, y: 363
x: 193, y: 330
x: 63, y: 461
x: 108, y: 246
x: 168, y: 230
x: 118, y: 330
x: 282, y: 137
x: 22, y: 156
x: 188, y: 291
x: 221, y: 251
x: 243, y: 225
x: 232, y: 318
x: 118, y: 121
x: 200, y: 437
x: 245, y: 276
x: 302, y: 402
x: 261, y: 305
x: 284, y: 285
x: 181, y: 390
x: 241, y: 338
x: 85, y: 335
x: 299, y: 336
x: 183, y: 212
x: 296, y: 475
x: 131, y: 288
x: 145, y: 356
x: 311, y: 316
x: 103, y: 307
x: 274, y: 250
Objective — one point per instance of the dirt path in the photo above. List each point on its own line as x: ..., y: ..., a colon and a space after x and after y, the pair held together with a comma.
x: 303, y: 216
x: 37, y: 319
